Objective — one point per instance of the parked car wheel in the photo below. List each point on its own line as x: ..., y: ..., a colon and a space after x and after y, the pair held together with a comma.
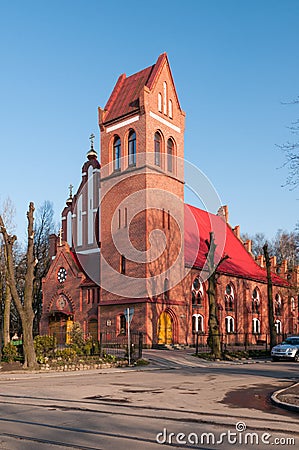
x: 296, y: 357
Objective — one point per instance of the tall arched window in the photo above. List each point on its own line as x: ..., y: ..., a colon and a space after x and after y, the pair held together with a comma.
x: 197, y: 292
x: 229, y: 324
x: 160, y: 102
x: 197, y: 323
x: 278, y: 326
x: 157, y: 142
x: 132, y: 148
x: 255, y: 301
x: 256, y: 326
x: 166, y: 289
x: 278, y: 305
x: 122, y: 324
x: 170, y: 109
x: 165, y: 97
x: 170, y: 155
x: 116, y: 152
x: 229, y: 298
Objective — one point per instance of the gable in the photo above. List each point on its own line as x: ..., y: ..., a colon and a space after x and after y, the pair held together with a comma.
x: 63, y: 259
x: 125, y: 98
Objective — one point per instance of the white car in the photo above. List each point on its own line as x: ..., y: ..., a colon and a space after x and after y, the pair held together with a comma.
x: 288, y: 349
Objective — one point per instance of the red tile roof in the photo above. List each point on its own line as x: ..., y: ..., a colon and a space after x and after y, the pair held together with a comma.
x: 124, y: 99
x: 198, y: 225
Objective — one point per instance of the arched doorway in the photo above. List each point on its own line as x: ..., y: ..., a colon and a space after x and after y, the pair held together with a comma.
x: 165, y: 328
x: 93, y: 329
x: 60, y: 326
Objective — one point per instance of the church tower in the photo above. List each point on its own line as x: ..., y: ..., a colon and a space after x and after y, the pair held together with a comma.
x: 142, y: 200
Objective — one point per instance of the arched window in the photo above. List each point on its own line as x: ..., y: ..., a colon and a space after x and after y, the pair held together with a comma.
x: 229, y: 324
x: 159, y: 102
x: 256, y: 326
x: 166, y: 289
x: 293, y: 306
x: 197, y: 292
x: 132, y: 148
x: 165, y: 97
x: 277, y: 305
x: 157, y: 142
x: 170, y: 108
x: 278, y: 326
x: 123, y: 264
x: 170, y: 155
x: 229, y: 298
x: 116, y: 152
x: 255, y: 301
x: 197, y: 323
x: 122, y: 324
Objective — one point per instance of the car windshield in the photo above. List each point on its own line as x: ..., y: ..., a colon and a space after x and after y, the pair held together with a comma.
x: 291, y: 341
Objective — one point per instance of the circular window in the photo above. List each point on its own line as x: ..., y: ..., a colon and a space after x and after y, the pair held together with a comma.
x: 61, y: 275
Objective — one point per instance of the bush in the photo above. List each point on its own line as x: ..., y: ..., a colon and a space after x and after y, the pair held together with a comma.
x: 77, y: 339
x: 10, y: 352
x: 142, y: 362
x: 68, y: 354
x: 45, y: 345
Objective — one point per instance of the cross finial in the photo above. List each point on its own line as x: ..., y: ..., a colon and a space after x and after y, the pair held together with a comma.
x: 91, y: 137
x: 71, y: 190
x: 60, y: 237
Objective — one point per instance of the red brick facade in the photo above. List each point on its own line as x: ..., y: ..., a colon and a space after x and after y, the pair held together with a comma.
x: 124, y: 230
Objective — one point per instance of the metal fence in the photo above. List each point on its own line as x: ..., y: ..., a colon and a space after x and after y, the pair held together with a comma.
x: 117, y: 344
x: 111, y: 343
x: 236, y: 342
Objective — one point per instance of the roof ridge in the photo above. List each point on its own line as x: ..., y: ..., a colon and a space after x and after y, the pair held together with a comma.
x: 115, y: 91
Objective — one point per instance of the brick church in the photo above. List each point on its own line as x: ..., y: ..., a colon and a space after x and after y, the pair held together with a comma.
x: 128, y: 240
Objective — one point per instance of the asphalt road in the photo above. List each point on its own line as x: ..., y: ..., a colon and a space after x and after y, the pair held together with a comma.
x: 176, y: 401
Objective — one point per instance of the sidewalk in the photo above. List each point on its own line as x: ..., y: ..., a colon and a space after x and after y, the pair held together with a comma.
x: 287, y: 398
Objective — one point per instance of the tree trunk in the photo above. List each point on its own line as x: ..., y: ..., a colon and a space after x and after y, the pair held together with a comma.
x: 272, y: 328
x: 6, y: 316
x: 28, y: 343
x: 214, y: 331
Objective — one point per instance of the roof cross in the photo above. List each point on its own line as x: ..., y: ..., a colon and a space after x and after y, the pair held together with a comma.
x: 91, y: 137
x: 71, y: 190
x: 60, y: 233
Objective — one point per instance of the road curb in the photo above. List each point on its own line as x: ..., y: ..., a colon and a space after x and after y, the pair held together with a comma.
x: 281, y: 404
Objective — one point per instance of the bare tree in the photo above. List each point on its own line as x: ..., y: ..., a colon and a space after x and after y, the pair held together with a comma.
x: 285, y: 246
x: 44, y: 226
x: 291, y: 151
x: 258, y: 240
x: 23, y: 305
x: 214, y: 331
x: 8, y: 213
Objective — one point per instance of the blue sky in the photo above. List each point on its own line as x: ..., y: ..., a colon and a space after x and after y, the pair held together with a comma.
x: 234, y: 63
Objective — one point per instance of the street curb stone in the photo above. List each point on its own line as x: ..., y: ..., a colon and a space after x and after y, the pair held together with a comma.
x: 281, y: 404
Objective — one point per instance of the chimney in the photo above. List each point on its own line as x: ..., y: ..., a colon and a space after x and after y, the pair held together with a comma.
x: 260, y: 260
x: 223, y: 212
x: 273, y: 263
x: 53, y: 245
x: 284, y: 267
x: 236, y: 231
x: 247, y: 245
